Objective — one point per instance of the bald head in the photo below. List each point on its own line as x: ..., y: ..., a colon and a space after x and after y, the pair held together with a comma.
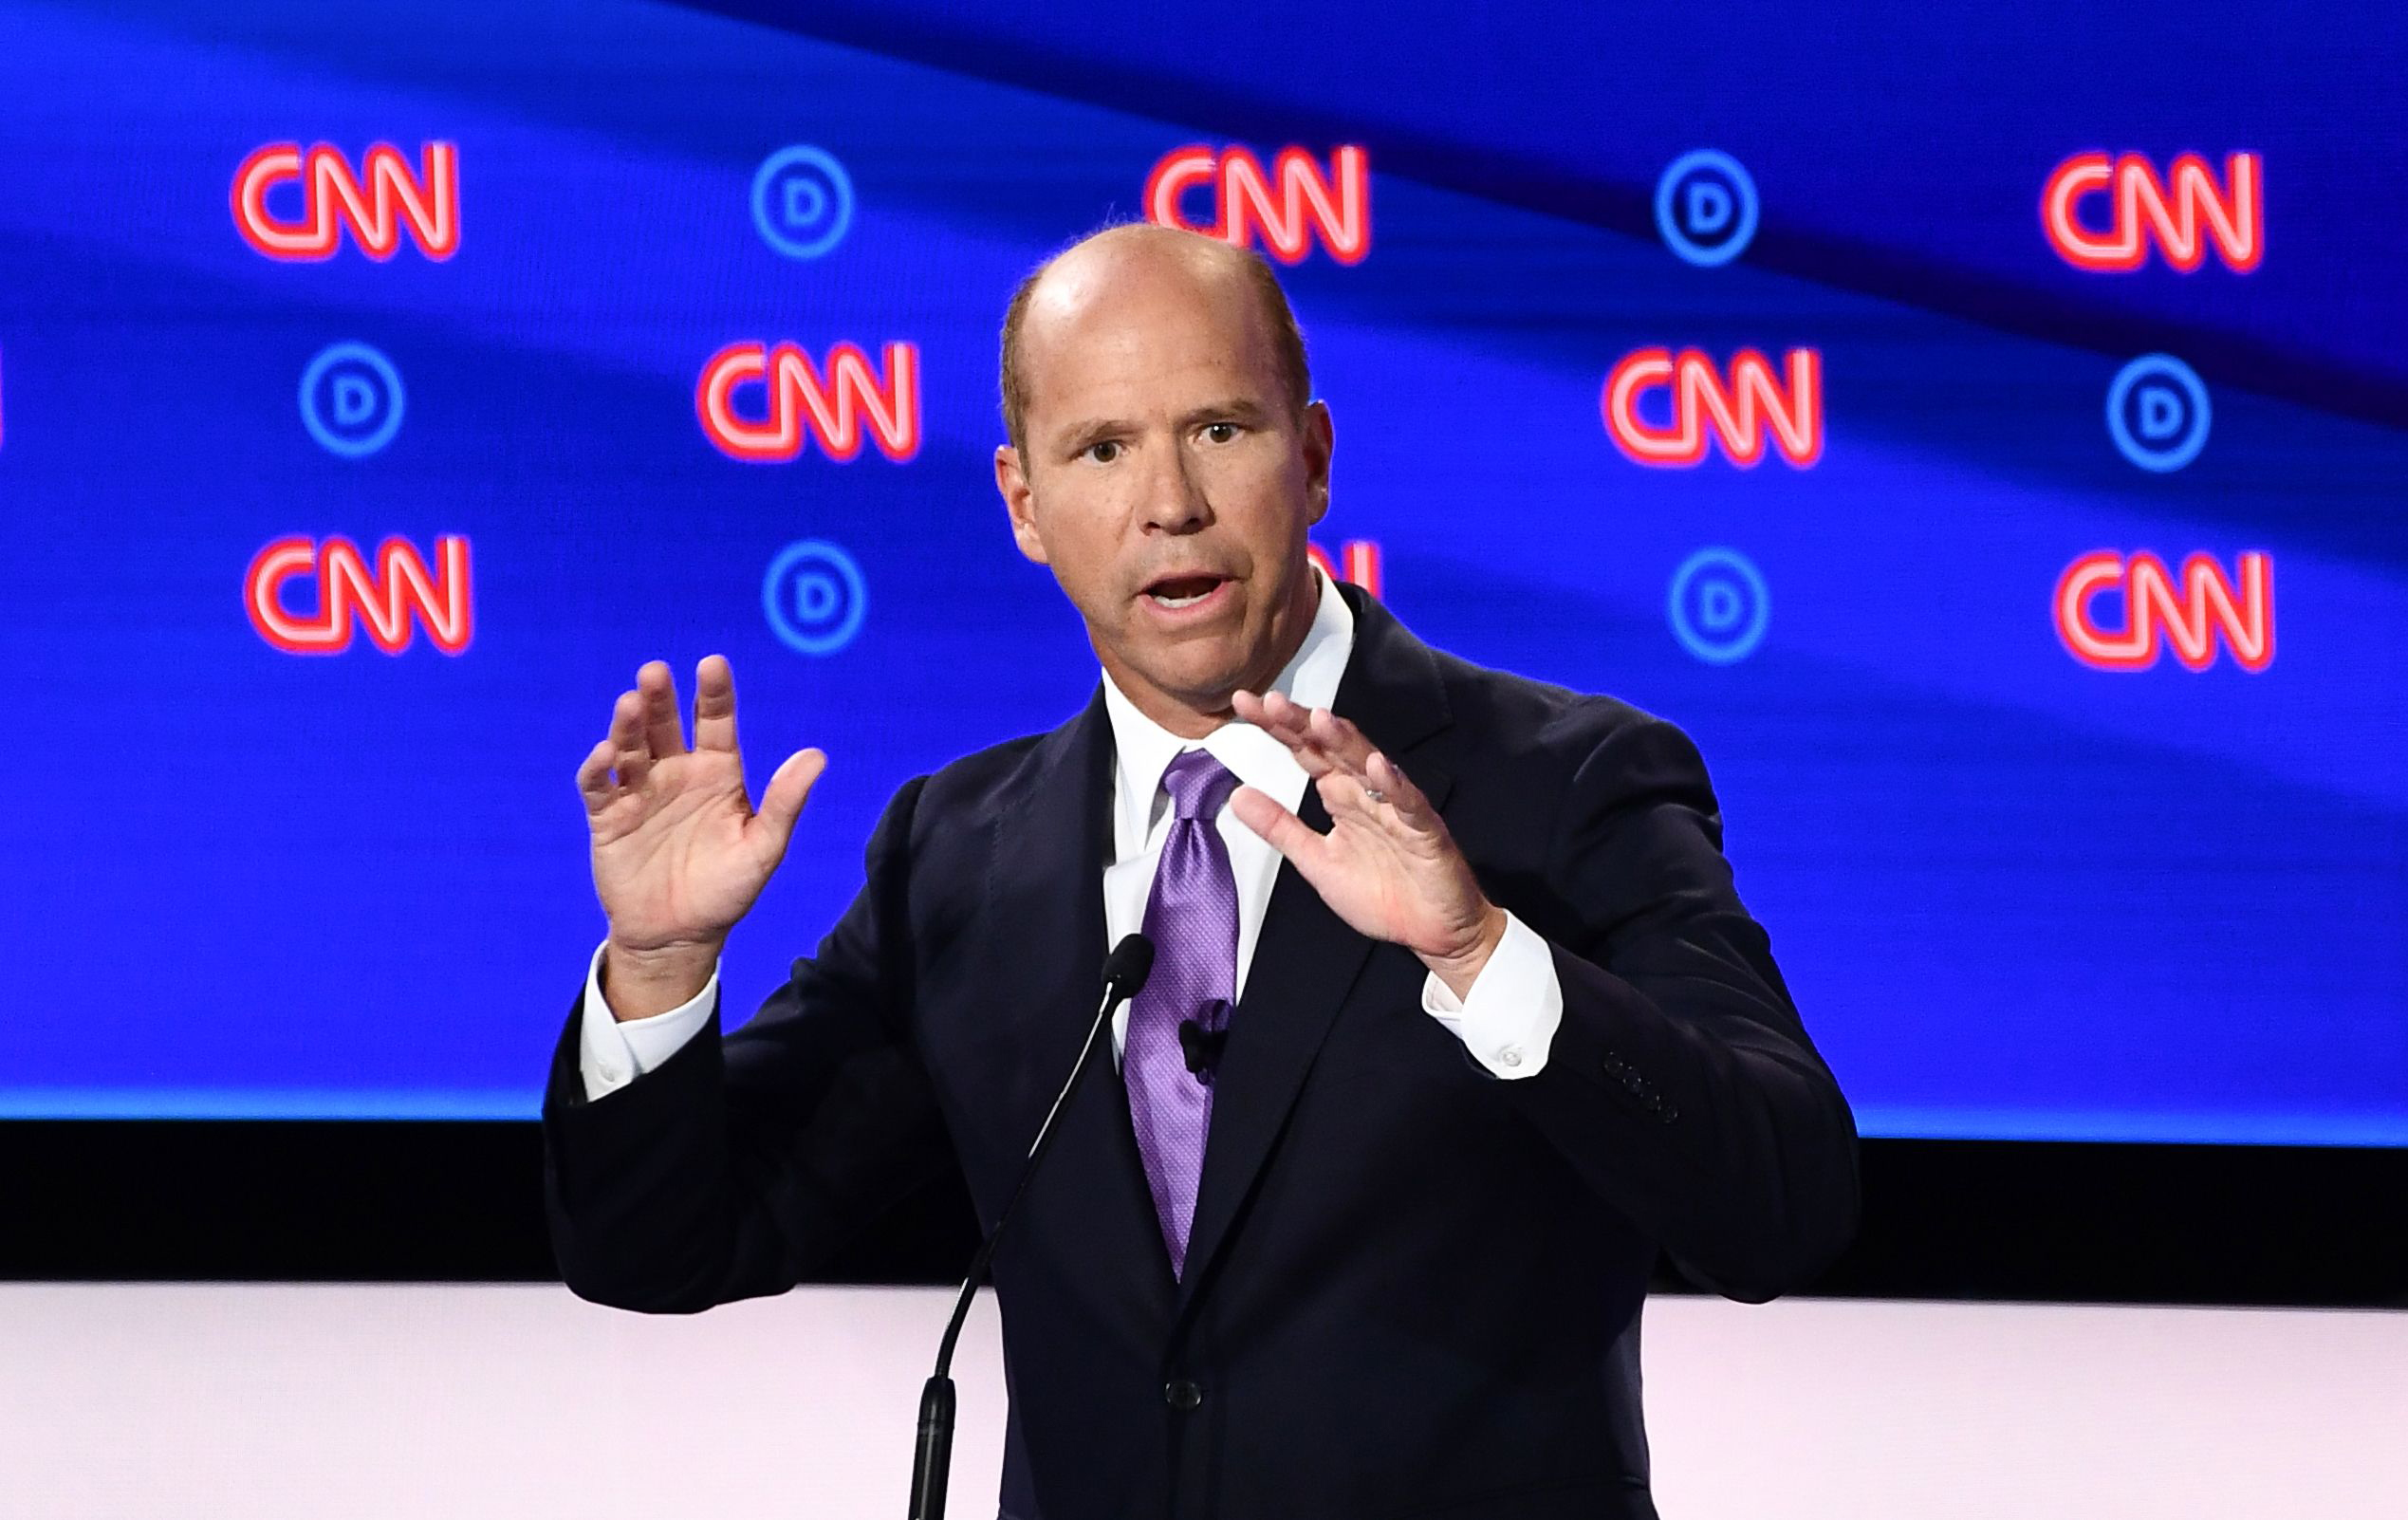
x: 1067, y: 298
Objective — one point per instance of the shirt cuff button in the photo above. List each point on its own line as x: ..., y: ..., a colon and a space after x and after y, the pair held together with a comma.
x: 1511, y: 1056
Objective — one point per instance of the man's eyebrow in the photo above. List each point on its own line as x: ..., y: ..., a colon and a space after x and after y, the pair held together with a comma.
x: 1086, y: 433
x: 1236, y: 409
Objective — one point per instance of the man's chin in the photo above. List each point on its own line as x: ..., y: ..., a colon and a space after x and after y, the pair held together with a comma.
x: 1197, y: 673
x: 1206, y: 689
x: 1197, y: 662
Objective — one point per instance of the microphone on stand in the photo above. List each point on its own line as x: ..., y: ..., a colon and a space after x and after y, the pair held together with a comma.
x: 1125, y: 973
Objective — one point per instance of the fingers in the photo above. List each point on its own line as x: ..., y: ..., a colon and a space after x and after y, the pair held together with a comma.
x: 1284, y: 722
x: 1321, y: 740
x: 1276, y: 714
x: 629, y: 755
x: 1392, y: 812
x: 1279, y: 829
x: 781, y: 800
x: 1397, y: 794
x: 593, y: 777
x: 663, y: 735
x: 1341, y: 740
x: 1341, y: 759
x: 715, y: 704
x: 644, y: 725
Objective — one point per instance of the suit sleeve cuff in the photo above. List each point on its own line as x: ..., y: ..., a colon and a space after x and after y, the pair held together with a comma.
x: 611, y: 1054
x: 1509, y: 1018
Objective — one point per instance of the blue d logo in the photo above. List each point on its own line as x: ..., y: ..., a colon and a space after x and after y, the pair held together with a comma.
x: 1719, y: 607
x: 801, y: 201
x: 2157, y: 413
x: 351, y: 400
x: 1709, y: 208
x: 814, y: 597
x: 355, y: 401
x: 1706, y: 208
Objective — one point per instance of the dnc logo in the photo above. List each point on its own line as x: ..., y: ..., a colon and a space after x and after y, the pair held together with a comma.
x: 352, y: 400
x: 2208, y: 605
x: 376, y: 205
x: 1706, y: 208
x: 2157, y: 413
x: 801, y: 201
x: 2183, y: 213
x: 385, y: 599
x: 799, y: 401
x: 1738, y: 414
x: 1287, y: 207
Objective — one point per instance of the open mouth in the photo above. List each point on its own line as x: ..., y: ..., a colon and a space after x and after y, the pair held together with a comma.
x: 1177, y: 591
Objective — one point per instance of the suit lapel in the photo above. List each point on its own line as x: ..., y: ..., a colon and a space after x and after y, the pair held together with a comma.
x: 1307, y: 959
x: 1044, y: 904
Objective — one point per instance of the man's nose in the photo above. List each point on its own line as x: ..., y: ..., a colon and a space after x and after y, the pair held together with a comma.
x: 1173, y: 498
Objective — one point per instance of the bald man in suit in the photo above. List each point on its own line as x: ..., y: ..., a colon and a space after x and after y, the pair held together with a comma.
x: 1457, y: 1019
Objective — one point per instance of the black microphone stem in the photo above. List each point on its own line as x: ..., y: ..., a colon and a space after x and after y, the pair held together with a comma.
x: 1125, y: 973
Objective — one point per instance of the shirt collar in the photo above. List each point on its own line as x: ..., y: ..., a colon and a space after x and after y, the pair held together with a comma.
x: 1143, y: 748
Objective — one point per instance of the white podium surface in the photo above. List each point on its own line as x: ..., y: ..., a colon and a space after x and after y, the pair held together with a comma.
x: 301, y: 1402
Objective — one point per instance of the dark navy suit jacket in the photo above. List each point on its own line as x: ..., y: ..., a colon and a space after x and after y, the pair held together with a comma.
x: 1413, y: 1289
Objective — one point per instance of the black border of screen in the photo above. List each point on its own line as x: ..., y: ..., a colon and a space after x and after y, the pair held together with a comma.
x: 364, y: 1201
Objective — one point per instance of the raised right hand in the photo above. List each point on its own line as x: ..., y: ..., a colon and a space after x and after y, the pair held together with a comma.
x: 680, y: 852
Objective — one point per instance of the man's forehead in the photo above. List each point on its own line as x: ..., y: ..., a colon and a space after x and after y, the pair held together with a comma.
x: 1109, y: 275
x: 1101, y: 306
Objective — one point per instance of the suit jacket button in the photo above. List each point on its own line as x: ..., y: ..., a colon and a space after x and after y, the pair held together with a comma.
x: 1182, y: 1394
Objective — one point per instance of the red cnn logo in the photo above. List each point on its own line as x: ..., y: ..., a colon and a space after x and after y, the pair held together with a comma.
x: 1738, y: 413
x: 2207, y: 606
x: 1337, y: 205
x: 332, y: 198
x: 2173, y: 211
x: 386, y: 600
x: 1360, y: 558
x: 797, y: 397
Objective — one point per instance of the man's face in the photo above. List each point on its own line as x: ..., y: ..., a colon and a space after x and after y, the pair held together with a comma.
x: 1169, y: 478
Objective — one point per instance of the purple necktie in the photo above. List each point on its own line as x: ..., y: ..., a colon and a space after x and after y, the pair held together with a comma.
x: 1192, y: 917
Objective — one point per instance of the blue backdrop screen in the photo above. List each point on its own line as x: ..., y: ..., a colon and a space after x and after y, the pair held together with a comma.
x: 1984, y: 432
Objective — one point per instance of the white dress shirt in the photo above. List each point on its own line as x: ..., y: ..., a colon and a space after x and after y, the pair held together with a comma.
x: 1507, y: 1023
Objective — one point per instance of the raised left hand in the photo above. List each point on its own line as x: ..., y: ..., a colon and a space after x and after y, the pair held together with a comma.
x: 1387, y: 866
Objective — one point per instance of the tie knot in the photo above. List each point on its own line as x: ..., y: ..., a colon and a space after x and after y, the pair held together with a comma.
x: 1198, y: 785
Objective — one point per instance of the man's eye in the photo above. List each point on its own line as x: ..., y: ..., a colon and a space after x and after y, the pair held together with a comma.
x: 1103, y: 451
x: 1220, y: 432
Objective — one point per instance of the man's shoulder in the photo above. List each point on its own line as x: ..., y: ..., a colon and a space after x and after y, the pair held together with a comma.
x: 933, y: 817
x: 1001, y: 775
x: 1536, y: 758
x: 1514, y: 713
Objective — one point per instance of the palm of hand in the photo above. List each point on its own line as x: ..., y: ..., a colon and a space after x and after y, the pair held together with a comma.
x: 1409, y: 886
x: 1387, y: 866
x: 673, y: 853
x: 679, y: 851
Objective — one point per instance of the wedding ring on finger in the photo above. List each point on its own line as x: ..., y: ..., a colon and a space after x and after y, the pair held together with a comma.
x: 1374, y: 794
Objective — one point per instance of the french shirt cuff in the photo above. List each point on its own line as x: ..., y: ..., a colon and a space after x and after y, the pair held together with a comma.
x: 611, y: 1054
x: 1515, y: 1005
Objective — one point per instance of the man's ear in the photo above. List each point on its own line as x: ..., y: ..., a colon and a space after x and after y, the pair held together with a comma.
x: 1318, y: 439
x: 1020, y: 502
